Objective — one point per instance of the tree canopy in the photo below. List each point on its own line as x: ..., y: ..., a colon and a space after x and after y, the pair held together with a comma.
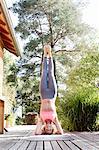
x: 58, y: 23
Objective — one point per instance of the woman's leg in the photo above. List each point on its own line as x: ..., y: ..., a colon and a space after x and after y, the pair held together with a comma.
x: 51, y: 79
x: 43, y: 82
x: 48, y: 87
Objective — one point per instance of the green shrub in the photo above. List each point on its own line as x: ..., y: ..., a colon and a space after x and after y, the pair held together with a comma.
x: 19, y: 121
x: 80, y: 110
x: 97, y: 122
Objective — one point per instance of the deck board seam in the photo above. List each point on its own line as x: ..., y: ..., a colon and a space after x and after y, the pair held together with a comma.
x: 28, y: 145
x: 59, y: 145
x: 13, y: 144
x: 51, y: 145
x: 85, y: 140
x: 67, y: 145
x: 75, y: 145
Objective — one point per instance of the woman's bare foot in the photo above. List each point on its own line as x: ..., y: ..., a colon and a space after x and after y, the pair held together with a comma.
x: 47, y: 50
x: 50, y: 52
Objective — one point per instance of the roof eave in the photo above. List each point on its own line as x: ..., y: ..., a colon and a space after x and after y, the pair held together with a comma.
x: 11, y: 29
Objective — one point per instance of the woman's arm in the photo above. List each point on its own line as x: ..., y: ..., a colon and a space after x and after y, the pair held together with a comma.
x: 39, y: 127
x: 58, y: 126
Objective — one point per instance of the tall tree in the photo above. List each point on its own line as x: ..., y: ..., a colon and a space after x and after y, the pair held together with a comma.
x: 55, y: 22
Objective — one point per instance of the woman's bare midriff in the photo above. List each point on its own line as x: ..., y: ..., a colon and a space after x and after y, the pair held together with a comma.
x: 48, y: 105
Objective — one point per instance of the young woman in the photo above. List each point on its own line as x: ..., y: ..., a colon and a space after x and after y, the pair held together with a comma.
x: 48, y: 119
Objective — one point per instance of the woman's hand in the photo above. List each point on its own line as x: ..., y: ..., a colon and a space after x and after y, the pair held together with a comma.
x: 58, y: 132
x: 38, y: 130
x: 58, y: 126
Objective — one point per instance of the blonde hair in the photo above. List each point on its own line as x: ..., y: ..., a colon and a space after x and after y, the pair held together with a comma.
x: 44, y: 131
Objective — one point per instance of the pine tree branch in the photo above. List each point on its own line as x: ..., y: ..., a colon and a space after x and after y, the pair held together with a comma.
x: 49, y: 19
x: 38, y: 56
x: 51, y: 31
x: 67, y: 51
x: 59, y: 36
x: 41, y: 33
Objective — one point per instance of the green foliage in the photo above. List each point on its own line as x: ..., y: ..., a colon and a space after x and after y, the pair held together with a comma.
x: 81, y: 109
x: 32, y: 106
x: 19, y: 121
x: 81, y: 102
x: 97, y: 122
x: 49, y: 21
x: 86, y: 72
x: 41, y: 22
x: 9, y: 83
x: 12, y: 76
x: 57, y: 23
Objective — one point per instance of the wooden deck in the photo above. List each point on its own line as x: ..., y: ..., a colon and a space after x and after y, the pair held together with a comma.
x: 25, y: 140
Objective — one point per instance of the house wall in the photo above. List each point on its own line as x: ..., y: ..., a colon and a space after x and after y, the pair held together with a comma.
x: 1, y: 69
x: 1, y: 82
x: 1, y: 116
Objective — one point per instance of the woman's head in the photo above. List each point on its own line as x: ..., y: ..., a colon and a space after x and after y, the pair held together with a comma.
x: 48, y: 128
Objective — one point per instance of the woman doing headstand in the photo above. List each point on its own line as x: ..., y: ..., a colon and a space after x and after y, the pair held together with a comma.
x: 48, y: 90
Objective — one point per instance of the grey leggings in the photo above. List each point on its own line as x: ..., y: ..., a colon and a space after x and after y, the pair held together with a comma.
x: 48, y: 87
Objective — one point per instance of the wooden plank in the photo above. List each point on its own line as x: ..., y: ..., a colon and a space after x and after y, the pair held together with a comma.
x: 63, y: 145
x: 4, y: 143
x: 71, y: 145
x: 13, y: 135
x: 10, y: 49
x: 31, y: 146
x: 24, y: 140
x: 90, y: 136
x: 24, y: 145
x: 49, y: 137
x: 90, y: 146
x: 84, y: 138
x: 7, y: 40
x: 2, y: 22
x: 84, y: 145
x: 55, y: 145
x: 4, y: 29
x: 93, y: 136
x: 47, y: 145
x: 9, y: 144
x: 39, y: 145
x: 95, y: 144
x: 17, y: 145
x: 8, y: 43
x: 6, y: 36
